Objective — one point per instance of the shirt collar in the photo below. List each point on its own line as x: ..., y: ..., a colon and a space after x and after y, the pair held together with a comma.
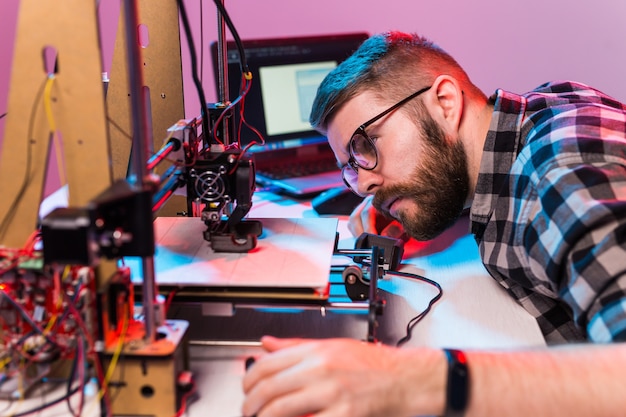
x: 502, y: 145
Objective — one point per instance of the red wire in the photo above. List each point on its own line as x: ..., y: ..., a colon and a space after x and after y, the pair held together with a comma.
x: 183, y: 401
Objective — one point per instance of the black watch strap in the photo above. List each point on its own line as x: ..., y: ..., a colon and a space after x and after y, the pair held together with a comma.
x: 457, y: 387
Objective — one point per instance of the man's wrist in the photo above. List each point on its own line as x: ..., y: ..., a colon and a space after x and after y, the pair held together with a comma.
x: 458, y: 383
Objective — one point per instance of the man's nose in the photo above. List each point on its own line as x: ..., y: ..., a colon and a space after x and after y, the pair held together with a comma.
x: 368, y: 181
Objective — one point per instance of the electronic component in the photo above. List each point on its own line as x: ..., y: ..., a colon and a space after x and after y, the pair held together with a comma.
x: 47, y: 321
x: 391, y: 249
x: 113, y: 225
x: 219, y: 190
x: 357, y: 287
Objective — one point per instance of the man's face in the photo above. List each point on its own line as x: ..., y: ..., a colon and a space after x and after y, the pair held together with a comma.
x: 421, y: 178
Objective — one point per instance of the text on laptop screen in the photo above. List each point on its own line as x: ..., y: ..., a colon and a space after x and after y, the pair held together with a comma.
x: 288, y: 92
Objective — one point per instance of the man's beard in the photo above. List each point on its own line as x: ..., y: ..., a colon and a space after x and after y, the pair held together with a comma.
x: 439, y: 185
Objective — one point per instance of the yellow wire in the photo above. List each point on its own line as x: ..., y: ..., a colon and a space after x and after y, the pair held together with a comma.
x: 116, y: 355
x: 53, y: 319
x: 169, y: 136
x: 47, y: 102
x: 113, y: 364
x: 4, y: 362
x: 51, y: 322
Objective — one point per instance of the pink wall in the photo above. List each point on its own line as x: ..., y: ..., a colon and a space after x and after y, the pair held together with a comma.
x: 8, y: 15
x: 513, y: 45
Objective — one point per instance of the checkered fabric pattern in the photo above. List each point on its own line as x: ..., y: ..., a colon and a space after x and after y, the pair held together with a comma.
x: 549, y: 212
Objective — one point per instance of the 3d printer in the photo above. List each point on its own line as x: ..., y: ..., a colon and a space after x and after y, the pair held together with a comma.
x: 70, y: 302
x: 71, y: 283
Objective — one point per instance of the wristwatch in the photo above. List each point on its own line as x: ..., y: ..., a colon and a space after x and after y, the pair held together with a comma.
x: 458, y: 384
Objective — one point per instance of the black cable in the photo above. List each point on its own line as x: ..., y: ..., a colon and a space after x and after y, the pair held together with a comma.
x: 119, y: 128
x: 12, y: 208
x: 70, y: 378
x: 28, y: 319
x: 48, y: 404
x: 24, y: 337
x: 3, y: 115
x: 129, y: 137
x: 243, y: 63
x: 105, y: 403
x: 411, y: 324
x: 66, y: 397
x: 233, y: 31
x: 201, y: 42
x: 80, y: 365
x: 194, y: 70
x: 79, y: 360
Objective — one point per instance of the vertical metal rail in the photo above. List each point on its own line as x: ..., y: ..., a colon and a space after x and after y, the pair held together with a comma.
x: 141, y: 145
x: 222, y: 71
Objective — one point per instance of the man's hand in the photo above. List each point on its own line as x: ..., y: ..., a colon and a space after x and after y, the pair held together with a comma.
x: 343, y: 377
x: 366, y: 219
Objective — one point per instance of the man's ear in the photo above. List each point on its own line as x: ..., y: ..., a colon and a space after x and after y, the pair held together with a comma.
x: 447, y: 102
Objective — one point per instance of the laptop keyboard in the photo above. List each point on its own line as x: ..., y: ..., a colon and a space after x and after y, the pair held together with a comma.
x: 299, y: 169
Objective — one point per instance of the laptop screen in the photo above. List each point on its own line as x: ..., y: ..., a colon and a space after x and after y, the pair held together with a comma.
x: 285, y: 75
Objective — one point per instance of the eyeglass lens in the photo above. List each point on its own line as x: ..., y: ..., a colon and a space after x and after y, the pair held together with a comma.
x: 350, y: 178
x: 363, y: 151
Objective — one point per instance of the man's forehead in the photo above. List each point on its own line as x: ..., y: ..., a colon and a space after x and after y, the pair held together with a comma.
x: 354, y: 112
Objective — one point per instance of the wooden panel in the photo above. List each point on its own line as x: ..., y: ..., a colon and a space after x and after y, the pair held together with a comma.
x: 78, y: 109
x: 162, y: 76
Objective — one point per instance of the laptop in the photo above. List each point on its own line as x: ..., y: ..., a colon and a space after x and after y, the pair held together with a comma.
x: 286, y: 72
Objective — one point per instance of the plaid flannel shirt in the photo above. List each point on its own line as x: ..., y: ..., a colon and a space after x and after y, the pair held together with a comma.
x: 549, y: 212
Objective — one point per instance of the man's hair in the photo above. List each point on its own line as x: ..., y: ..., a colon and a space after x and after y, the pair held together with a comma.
x: 392, y: 65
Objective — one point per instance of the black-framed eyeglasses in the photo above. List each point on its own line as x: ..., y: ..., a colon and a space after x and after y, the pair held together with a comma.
x: 363, y: 153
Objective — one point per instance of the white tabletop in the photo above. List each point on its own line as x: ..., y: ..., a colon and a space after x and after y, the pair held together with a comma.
x: 474, y: 311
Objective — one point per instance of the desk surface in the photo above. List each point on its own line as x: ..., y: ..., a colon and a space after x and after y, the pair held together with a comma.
x: 474, y: 312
